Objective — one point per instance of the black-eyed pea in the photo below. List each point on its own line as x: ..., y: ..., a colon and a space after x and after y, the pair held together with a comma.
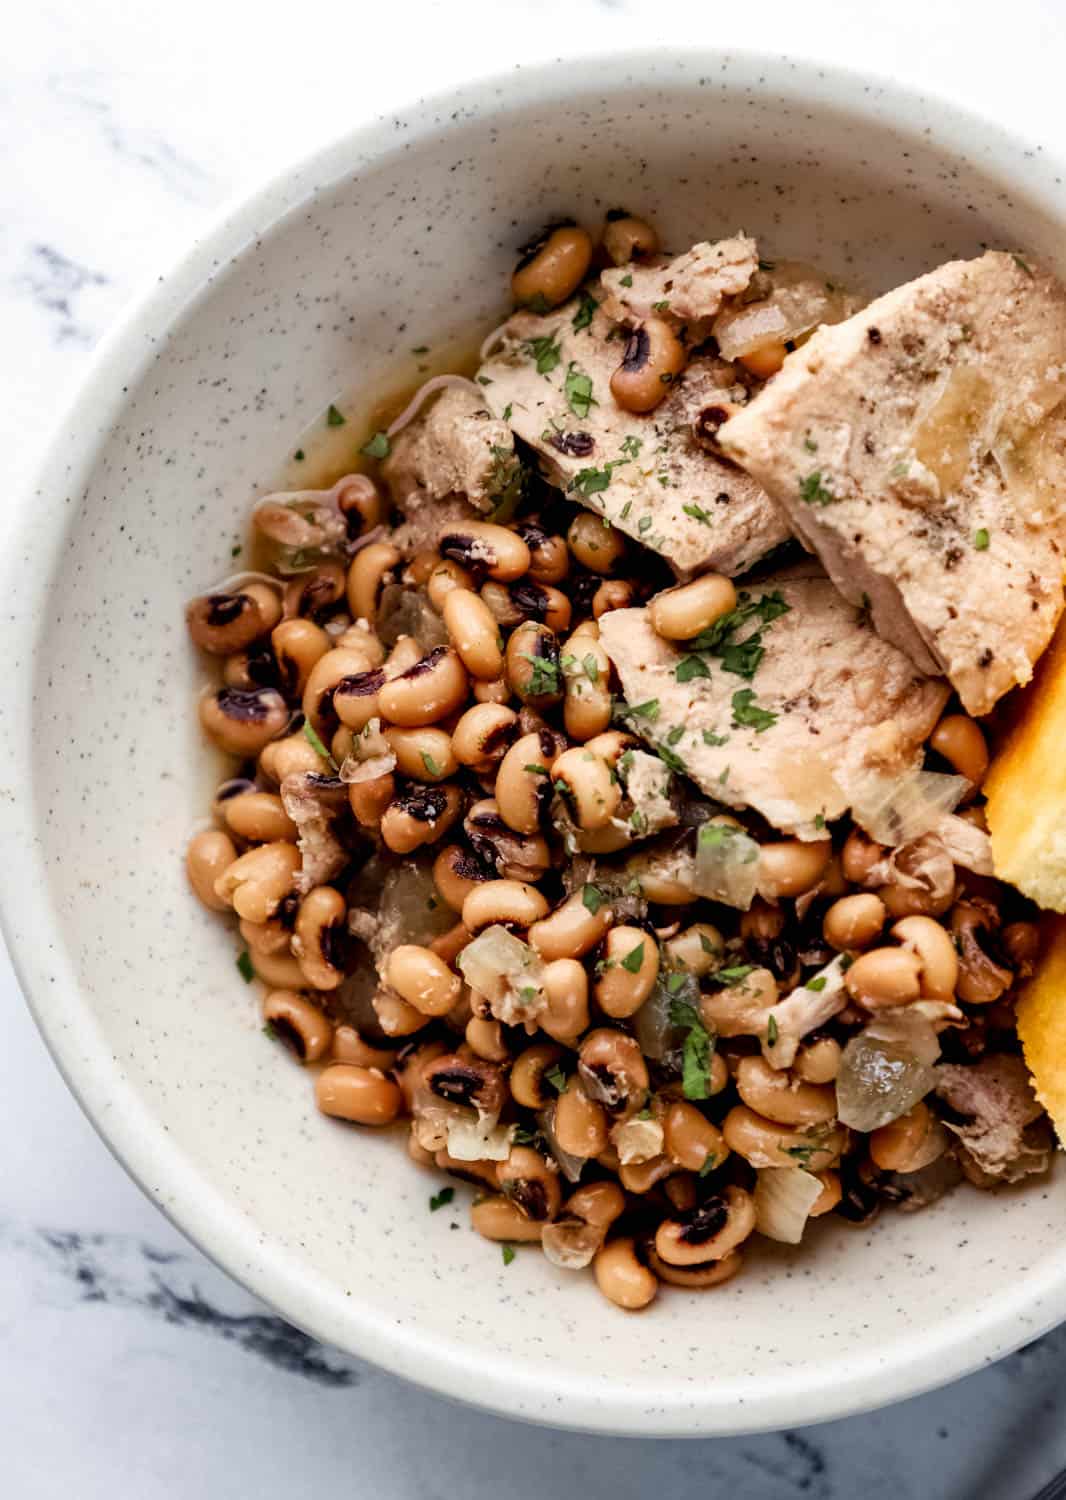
x: 483, y: 735
x: 818, y: 1061
x: 612, y: 745
x: 935, y: 948
x: 355, y: 698
x: 484, y: 547
x: 884, y: 977
x: 502, y: 605
x: 474, y: 634
x: 580, y: 1124
x: 690, y: 1140
x: 241, y: 721
x: 456, y: 872
x: 484, y: 1037
x: 528, y: 1087
x: 223, y: 623
x: 422, y: 979
x: 411, y: 1064
x: 207, y: 857
x: 362, y: 1095
x: 337, y: 665
x: 777, y: 1096
x: 316, y: 595
x: 613, y: 593
x: 349, y: 1047
x: 653, y: 359
x: 395, y: 1017
x: 789, y: 867
x: 366, y: 575
x: 449, y: 944
x: 469, y: 1081
x: 740, y: 1009
x: 432, y: 688
x: 320, y: 938
x: 533, y: 665
x: 590, y: 791
x: 573, y: 929
x: 253, y: 668
x: 829, y: 1197
x: 531, y: 1183
x: 258, y: 817
x: 598, y: 1203
x: 681, y: 613
x: 962, y: 744
x: 764, y: 361
x: 586, y: 687
x: 256, y: 883
x: 419, y: 815
x: 641, y: 1176
x: 423, y: 754
x: 497, y: 1218
x: 270, y: 937
x: 626, y: 238
x: 492, y: 692
x: 553, y: 267
x: 657, y: 884
x: 858, y: 856
x: 523, y: 782
x: 630, y: 969
x: 299, y: 1024
x: 854, y: 921
x: 766, y: 1143
x: 596, y: 545
x: 900, y: 1146
x: 446, y: 576
x: 566, y: 986
x: 696, y: 1278
x: 369, y: 799
x: 622, y: 1278
x: 418, y: 571
x: 289, y: 756
x: 298, y: 645
x: 549, y: 559
x: 613, y: 1069
x: 278, y: 971
x: 698, y: 949
x: 512, y: 903
x: 709, y: 1232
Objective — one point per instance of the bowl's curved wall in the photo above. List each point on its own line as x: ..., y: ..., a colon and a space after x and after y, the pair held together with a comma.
x: 396, y: 238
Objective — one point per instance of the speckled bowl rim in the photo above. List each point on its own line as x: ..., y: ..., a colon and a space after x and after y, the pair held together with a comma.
x: 922, y: 1359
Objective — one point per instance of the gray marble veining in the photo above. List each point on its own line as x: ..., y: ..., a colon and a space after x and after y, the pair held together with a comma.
x: 123, y: 130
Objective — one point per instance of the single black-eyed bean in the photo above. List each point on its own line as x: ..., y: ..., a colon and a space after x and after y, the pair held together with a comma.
x: 963, y: 745
x: 590, y: 791
x: 511, y: 903
x: 483, y: 735
x: 777, y: 1096
x: 523, y: 782
x: 630, y: 969
x: 485, y: 1038
x: 613, y: 1069
x: 613, y: 593
x: 348, y: 1046
x: 430, y: 690
x: 342, y: 664
x: 446, y: 576
x: 854, y: 921
x: 422, y: 979
x: 423, y: 754
x: 626, y: 238
x: 469, y: 1081
x: 580, y: 1124
x: 764, y: 361
x: 258, y: 817
x: 586, y: 686
x: 766, y: 1143
x: 320, y: 940
x: 497, y: 1218
x: 207, y: 857
x: 227, y: 622
x: 549, y: 558
x: 474, y: 634
x: 242, y: 721
x: 566, y: 986
x: 528, y: 1087
x: 789, y: 867
x: 884, y: 977
x: 553, y: 267
x: 299, y: 1024
x: 485, y: 548
x: 681, y: 613
x: 316, y: 595
x: 533, y: 665
x: 573, y: 929
x: 256, y: 883
x: 419, y: 815
x: 622, y: 1278
x: 366, y: 575
x: 596, y: 545
x: 362, y: 1095
x: 935, y: 947
x: 653, y: 359
x: 298, y: 646
x: 456, y: 872
x: 370, y: 799
x: 708, y: 1232
x: 691, y: 1140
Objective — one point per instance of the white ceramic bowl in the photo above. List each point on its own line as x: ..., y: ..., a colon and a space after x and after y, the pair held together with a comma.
x: 399, y: 235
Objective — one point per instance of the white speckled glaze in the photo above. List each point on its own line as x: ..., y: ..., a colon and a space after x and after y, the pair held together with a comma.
x: 398, y: 235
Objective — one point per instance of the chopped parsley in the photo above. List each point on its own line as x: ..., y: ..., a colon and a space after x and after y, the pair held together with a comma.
x: 1022, y: 265
x: 577, y: 387
x: 430, y: 764
x: 507, y: 412
x: 697, y: 1050
x: 420, y: 349
x: 631, y: 446
x: 591, y: 898
x: 557, y: 1078
x: 583, y: 317
x: 648, y: 710
x: 536, y: 769
x: 544, y: 678
x: 816, y: 985
x: 661, y: 307
x: 316, y: 744
x: 299, y: 455
x: 244, y: 966
x: 810, y: 445
x: 438, y: 1200
x: 714, y: 740
x: 768, y: 265
x: 633, y: 959
x: 672, y: 760
x: 378, y: 446
x: 270, y: 1034
x: 334, y: 417
x: 484, y: 380
x: 819, y: 820
x: 675, y: 734
x: 626, y: 280
x: 236, y: 550
x: 981, y: 539
x: 748, y: 715
x: 771, y: 1031
x: 546, y: 353
x: 710, y: 1161
x: 814, y: 491
x: 591, y: 668
x: 507, y: 1251
x: 734, y: 975
x: 538, y: 304
x: 644, y: 524
x: 697, y: 513
x: 688, y: 668
x: 590, y: 481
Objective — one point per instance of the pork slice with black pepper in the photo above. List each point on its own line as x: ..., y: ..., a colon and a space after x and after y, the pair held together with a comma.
x: 783, y: 706
x: 688, y: 289
x: 655, y: 476
x: 920, y: 449
x: 454, y: 446
x: 997, y: 1117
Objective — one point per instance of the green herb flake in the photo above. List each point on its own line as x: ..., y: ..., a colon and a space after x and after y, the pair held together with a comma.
x: 591, y: 898
x: 544, y: 678
x: 507, y: 412
x: 981, y: 539
x: 378, y: 446
x: 507, y: 1251
x: 810, y: 445
x: 819, y: 820
x: 767, y: 265
x: 814, y: 492
x: 714, y: 740
x: 675, y: 983
x: 626, y: 280
x: 697, y: 1050
x: 299, y: 455
x: 577, y: 387
x: 626, y: 508
x: 557, y: 1078
x: 631, y: 447
x: 244, y: 966
x: 236, y: 550
x: 733, y: 975
x: 816, y: 984
x: 675, y: 734
x: 536, y: 769
x: 582, y: 319
x: 438, y: 1200
x: 484, y: 380
x: 710, y: 1161
x: 316, y: 744
x: 690, y: 667
x: 546, y: 352
x: 430, y: 764
x: 420, y: 349
x: 748, y: 715
x: 707, y: 945
x: 590, y: 481
x: 644, y: 524
x: 697, y: 513
x: 771, y: 1031
x: 270, y: 1034
x: 633, y: 959
x: 661, y: 307
x: 648, y: 710
x: 1022, y: 265
x: 591, y: 668
x: 334, y: 417
x: 672, y: 760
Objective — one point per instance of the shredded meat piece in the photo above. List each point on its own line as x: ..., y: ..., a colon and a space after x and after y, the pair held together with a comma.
x: 312, y: 802
x: 998, y: 1144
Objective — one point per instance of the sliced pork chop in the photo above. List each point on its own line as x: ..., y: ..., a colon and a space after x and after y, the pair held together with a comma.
x: 815, y: 699
x: 454, y: 446
x: 549, y: 378
x: 920, y: 449
x: 688, y: 289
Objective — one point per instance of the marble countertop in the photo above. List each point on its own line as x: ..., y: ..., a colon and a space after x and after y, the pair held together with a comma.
x: 128, y: 1364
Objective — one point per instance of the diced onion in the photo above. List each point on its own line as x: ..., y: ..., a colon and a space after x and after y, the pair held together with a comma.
x: 471, y: 1139
x: 886, y: 1069
x: 507, y: 972
x: 637, y: 1141
x: 570, y: 1244
x: 800, y: 300
x: 727, y: 865
x: 784, y: 1197
x: 896, y: 809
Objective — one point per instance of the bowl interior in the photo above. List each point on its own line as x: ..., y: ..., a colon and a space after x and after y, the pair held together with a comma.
x: 405, y: 235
